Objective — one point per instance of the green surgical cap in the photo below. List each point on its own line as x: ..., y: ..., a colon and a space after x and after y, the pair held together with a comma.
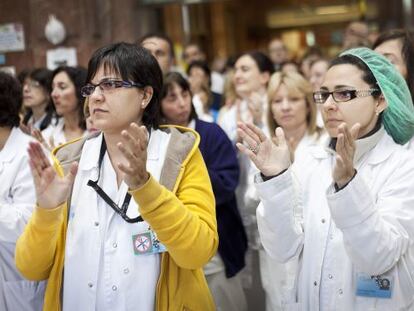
x: 398, y: 117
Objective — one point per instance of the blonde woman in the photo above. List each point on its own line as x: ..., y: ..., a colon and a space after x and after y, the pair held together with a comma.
x: 291, y: 108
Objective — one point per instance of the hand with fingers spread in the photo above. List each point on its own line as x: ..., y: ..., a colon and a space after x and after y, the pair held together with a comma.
x: 51, y: 189
x: 134, y: 148
x: 270, y: 156
x: 344, y: 170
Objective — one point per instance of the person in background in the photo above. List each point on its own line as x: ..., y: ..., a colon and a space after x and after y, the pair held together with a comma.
x: 199, y: 77
x: 278, y: 53
x: 162, y: 48
x: 252, y: 72
x: 192, y: 53
x: 17, y: 200
x: 312, y: 53
x: 126, y: 217
x: 289, y: 66
x: 37, y: 100
x: 68, y: 101
x: 222, y: 272
x: 397, y: 45
x: 317, y: 72
x: 346, y: 214
x: 355, y: 35
x: 291, y: 107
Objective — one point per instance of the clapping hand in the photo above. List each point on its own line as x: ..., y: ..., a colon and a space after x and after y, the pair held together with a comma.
x: 35, y: 133
x: 134, y: 148
x: 51, y: 189
x: 270, y: 156
x: 255, y: 106
x: 344, y: 170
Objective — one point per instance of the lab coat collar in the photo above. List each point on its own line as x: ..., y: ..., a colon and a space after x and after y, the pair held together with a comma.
x: 380, y: 143
x: 91, y: 149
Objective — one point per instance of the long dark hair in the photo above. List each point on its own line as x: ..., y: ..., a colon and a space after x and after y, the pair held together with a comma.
x: 10, y: 100
x: 78, y: 77
x: 170, y: 80
x: 44, y: 77
x: 133, y: 63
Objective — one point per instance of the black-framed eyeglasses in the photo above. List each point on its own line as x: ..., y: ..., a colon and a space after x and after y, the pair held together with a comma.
x: 122, y: 211
x: 340, y: 96
x: 107, y: 85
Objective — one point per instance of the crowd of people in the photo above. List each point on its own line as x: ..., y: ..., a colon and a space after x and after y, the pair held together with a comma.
x: 135, y: 184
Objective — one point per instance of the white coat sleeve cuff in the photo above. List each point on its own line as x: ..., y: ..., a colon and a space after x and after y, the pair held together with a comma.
x: 352, y: 205
x: 266, y: 189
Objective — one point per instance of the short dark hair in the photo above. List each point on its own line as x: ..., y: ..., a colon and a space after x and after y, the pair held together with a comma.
x: 262, y: 61
x: 44, y: 77
x: 203, y: 66
x: 172, y: 78
x: 10, y: 100
x: 159, y: 36
x: 78, y: 77
x: 367, y: 74
x: 406, y: 38
x: 133, y: 63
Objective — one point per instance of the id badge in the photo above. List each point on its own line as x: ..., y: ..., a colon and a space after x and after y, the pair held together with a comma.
x: 378, y: 286
x: 147, y: 243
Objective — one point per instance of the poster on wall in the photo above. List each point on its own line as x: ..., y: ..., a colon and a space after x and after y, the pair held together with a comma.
x: 11, y: 37
x: 61, y: 57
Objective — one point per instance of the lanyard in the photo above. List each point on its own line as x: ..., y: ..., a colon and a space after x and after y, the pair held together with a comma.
x: 94, y: 184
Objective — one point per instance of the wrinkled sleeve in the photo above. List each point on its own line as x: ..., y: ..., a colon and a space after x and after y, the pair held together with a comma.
x: 184, y: 222
x: 279, y: 216
x: 36, y: 247
x: 377, y: 231
x: 14, y: 216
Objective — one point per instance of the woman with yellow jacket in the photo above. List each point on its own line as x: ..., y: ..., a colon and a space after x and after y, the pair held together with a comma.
x: 98, y: 249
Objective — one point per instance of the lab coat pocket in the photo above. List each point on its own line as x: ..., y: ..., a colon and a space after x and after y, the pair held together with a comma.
x: 24, y: 295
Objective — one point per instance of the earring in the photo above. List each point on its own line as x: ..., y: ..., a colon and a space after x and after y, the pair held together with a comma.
x: 377, y: 113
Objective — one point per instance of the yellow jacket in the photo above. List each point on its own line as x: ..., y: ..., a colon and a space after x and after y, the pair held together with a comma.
x: 180, y: 211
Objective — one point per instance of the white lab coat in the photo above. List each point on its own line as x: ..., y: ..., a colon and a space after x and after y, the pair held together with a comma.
x: 276, y: 276
x: 17, y: 199
x: 101, y: 270
x: 367, y: 227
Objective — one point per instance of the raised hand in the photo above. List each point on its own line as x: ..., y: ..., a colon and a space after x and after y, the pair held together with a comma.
x: 344, y: 170
x: 134, y: 148
x: 270, y: 156
x: 51, y: 189
x: 35, y: 133
x: 255, y: 106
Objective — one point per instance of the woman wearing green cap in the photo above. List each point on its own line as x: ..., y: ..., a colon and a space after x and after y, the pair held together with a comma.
x: 345, y: 214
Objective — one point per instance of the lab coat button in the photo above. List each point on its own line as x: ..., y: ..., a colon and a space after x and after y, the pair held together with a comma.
x: 115, y: 245
x: 341, y: 292
x: 330, y: 276
x: 323, y: 220
x: 96, y: 223
x: 315, y: 283
x: 114, y: 288
x: 90, y: 285
x: 126, y: 270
